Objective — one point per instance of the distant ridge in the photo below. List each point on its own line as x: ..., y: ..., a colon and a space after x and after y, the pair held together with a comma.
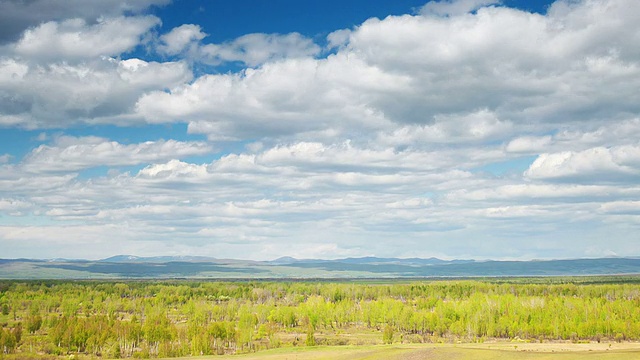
x: 201, y: 267
x: 371, y: 260
x: 404, y: 261
x: 155, y: 259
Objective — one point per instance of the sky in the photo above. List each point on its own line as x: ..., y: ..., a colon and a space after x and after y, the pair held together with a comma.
x: 248, y: 129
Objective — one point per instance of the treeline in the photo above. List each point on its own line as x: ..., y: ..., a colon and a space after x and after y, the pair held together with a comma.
x: 152, y: 319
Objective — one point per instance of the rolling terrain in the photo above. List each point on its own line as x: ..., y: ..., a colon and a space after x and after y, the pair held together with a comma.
x: 504, y: 350
x: 165, y: 267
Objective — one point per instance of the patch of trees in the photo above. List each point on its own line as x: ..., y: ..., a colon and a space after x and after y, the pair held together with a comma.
x: 153, y: 319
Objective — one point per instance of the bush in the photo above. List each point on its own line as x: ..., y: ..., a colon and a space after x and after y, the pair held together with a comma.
x: 387, y: 335
x: 619, y: 337
x: 34, y: 322
x: 114, y: 351
x: 311, y: 340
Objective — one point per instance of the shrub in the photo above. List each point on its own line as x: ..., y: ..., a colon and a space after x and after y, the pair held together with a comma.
x: 387, y: 335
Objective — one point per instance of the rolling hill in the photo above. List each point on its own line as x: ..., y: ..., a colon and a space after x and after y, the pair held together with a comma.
x: 196, y: 267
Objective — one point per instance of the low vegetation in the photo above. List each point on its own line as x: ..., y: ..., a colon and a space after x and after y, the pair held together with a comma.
x: 49, y: 319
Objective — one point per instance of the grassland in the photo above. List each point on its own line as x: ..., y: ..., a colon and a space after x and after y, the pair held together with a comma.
x: 515, y: 318
x: 499, y: 351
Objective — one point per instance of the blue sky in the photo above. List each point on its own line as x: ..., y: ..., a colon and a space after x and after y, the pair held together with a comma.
x: 320, y: 129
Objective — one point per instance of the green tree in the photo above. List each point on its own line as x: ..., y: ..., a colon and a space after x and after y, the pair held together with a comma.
x: 311, y: 340
x: 34, y: 322
x: 387, y: 335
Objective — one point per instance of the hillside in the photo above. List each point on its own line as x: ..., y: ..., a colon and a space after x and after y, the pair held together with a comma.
x: 127, y: 266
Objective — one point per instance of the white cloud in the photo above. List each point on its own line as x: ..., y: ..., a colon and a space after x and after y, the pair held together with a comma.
x: 180, y: 38
x: 422, y: 73
x: 621, y: 207
x: 69, y: 154
x: 558, y: 192
x: 12, y: 70
x: 578, y: 137
x: 74, y: 39
x: 5, y: 158
x: 280, y: 99
x: 16, y: 182
x: 344, y: 157
x: 14, y: 207
x: 251, y: 50
x: 17, y: 16
x: 50, y: 241
x: 380, y: 146
x: 620, y: 163
x: 313, y: 165
x: 524, y: 66
x: 173, y: 169
x: 338, y: 38
x: 482, y: 125
x: 454, y: 7
x: 529, y: 144
x: 257, y: 49
x: 358, y: 197
x: 69, y: 71
x: 41, y: 96
x: 518, y: 211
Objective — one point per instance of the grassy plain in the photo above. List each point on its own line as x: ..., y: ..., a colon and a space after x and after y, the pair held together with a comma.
x: 499, y: 351
x: 505, y: 318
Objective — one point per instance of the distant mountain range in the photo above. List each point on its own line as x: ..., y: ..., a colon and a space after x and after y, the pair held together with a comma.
x: 200, y: 267
x: 154, y: 259
x: 371, y: 261
x: 286, y: 260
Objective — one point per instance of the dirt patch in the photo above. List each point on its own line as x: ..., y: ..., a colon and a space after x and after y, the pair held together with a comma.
x: 556, y: 346
x: 418, y: 355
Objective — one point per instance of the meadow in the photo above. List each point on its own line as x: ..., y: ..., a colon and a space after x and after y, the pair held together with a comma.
x: 483, y: 318
x: 486, y: 351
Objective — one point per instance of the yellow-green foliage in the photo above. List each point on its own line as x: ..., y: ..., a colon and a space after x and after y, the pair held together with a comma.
x: 153, y: 319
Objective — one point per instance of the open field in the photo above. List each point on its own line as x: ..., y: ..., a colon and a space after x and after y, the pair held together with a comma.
x: 501, y: 350
x: 475, y: 319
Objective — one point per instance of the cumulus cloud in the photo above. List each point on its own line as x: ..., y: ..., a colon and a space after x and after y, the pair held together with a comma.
x: 383, y: 140
x: 250, y: 50
x: 356, y: 196
x: 179, y: 39
x: 478, y: 126
x: 256, y: 49
x: 338, y: 38
x: 69, y: 154
x: 17, y: 16
x: 529, y: 144
x: 74, y: 39
x: 284, y: 98
x: 423, y: 72
x: 578, y: 137
x: 173, y: 169
x: 62, y: 94
x: 68, y: 71
x: 454, y: 7
x: 620, y: 163
x: 311, y: 165
x: 14, y: 207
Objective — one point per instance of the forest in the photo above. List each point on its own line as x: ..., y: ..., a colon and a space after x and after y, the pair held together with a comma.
x: 148, y: 319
